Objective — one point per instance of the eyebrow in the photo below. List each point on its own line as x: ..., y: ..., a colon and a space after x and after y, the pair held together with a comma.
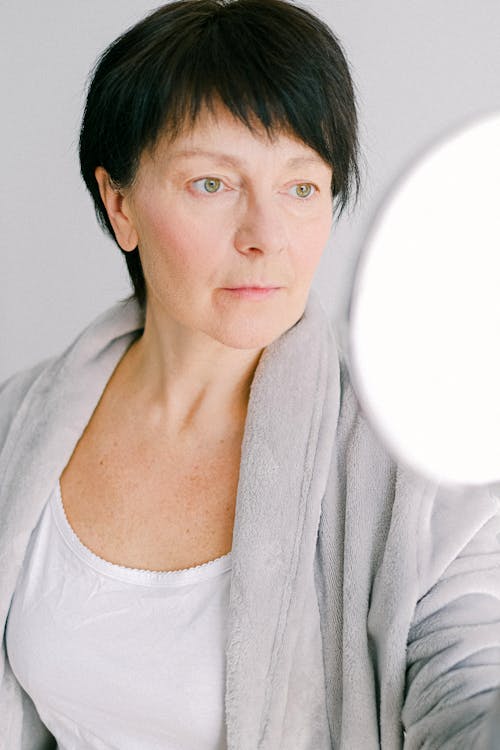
x: 234, y: 161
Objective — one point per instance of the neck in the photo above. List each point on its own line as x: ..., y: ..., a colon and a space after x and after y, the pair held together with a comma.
x: 187, y: 381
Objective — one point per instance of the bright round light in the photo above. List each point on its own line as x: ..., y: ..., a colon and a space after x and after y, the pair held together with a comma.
x: 424, y: 317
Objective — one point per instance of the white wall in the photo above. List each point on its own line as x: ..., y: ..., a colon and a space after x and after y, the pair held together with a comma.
x: 420, y: 68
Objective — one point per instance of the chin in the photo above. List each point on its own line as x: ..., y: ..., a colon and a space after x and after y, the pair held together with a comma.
x: 253, y: 333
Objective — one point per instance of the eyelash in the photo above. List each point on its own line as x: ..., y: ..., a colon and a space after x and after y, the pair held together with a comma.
x: 202, y: 180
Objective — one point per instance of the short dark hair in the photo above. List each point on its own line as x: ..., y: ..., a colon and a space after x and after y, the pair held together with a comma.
x: 267, y: 59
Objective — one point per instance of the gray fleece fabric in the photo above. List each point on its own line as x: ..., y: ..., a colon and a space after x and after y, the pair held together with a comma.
x: 365, y: 600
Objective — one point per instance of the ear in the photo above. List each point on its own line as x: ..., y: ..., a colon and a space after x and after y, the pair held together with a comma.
x: 118, y: 210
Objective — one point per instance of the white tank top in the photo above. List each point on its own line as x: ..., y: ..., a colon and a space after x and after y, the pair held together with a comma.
x: 116, y: 658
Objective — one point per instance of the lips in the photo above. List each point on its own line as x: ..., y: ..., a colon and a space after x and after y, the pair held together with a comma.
x: 253, y: 286
x: 253, y: 293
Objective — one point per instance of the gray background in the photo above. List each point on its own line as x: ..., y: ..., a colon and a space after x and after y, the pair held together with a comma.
x: 421, y: 68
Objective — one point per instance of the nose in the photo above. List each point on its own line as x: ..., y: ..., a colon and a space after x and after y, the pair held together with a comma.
x: 261, y: 226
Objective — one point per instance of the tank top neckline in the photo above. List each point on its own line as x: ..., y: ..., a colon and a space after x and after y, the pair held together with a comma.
x: 194, y: 574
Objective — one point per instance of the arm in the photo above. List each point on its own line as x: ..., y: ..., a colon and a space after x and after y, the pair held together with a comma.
x: 453, y: 656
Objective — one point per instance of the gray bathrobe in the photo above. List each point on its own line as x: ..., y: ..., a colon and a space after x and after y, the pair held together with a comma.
x: 365, y: 600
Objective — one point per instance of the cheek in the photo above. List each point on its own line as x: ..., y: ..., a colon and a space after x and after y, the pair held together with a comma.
x: 311, y: 239
x: 178, y: 246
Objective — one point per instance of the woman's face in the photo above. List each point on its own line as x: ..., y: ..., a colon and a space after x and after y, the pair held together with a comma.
x: 221, y: 208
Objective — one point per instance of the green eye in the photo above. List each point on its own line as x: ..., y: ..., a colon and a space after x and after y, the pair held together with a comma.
x: 211, y: 185
x: 304, y: 190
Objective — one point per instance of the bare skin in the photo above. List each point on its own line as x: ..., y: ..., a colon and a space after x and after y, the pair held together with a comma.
x: 136, y: 496
x: 152, y: 482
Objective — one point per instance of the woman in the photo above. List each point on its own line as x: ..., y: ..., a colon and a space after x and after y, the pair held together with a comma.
x: 203, y: 544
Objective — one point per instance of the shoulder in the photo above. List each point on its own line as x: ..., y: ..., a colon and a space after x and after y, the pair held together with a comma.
x: 45, y: 377
x: 18, y: 384
x: 15, y: 389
